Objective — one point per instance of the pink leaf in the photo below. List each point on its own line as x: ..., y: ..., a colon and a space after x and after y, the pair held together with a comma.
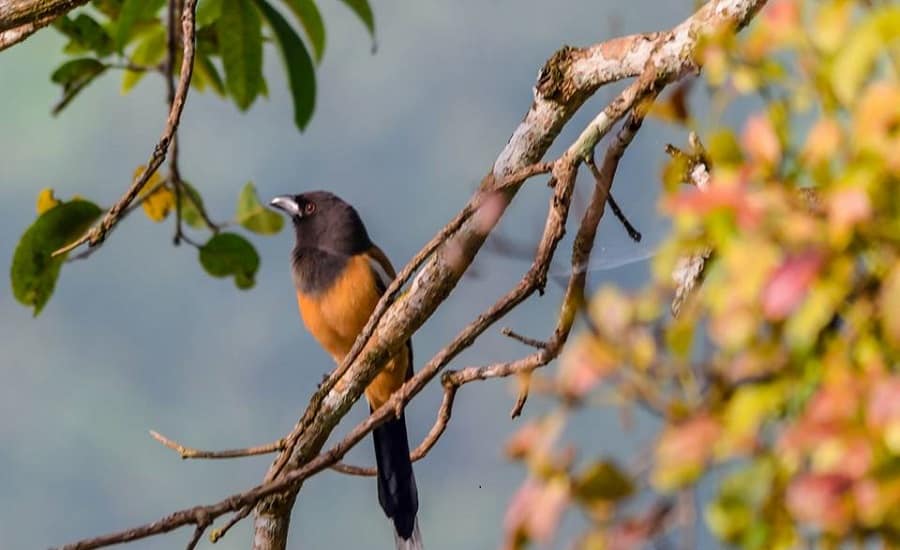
x: 788, y: 285
x: 760, y: 140
x: 690, y: 442
x: 534, y: 511
x: 821, y: 500
x: 884, y: 403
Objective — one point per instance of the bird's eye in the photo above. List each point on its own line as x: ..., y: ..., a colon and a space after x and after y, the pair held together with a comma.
x: 309, y: 208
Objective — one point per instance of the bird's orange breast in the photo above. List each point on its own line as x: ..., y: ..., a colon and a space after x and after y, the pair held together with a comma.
x: 336, y: 316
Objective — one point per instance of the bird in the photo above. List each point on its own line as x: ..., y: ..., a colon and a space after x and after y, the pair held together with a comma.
x: 339, y: 275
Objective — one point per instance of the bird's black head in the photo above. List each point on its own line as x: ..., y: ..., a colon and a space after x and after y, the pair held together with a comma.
x: 324, y: 221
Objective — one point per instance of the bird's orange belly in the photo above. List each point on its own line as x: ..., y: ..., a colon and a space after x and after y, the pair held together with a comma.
x: 337, y: 316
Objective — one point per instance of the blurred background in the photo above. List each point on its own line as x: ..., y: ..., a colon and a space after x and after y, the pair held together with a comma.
x: 139, y: 337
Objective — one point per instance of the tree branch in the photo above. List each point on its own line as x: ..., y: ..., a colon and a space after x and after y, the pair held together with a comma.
x: 565, y: 82
x: 559, y: 93
x: 11, y: 37
x: 98, y: 233
x: 190, y: 452
x: 20, y: 13
x: 506, y: 331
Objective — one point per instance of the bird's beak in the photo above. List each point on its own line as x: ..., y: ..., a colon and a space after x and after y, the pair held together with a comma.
x: 287, y: 204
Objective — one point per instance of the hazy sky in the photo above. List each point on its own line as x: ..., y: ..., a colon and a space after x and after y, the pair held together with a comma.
x: 139, y: 337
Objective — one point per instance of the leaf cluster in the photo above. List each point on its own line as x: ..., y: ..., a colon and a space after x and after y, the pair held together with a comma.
x: 134, y: 36
x: 777, y: 386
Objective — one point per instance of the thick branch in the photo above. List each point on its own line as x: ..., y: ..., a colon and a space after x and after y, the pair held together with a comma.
x: 19, y: 13
x: 13, y: 36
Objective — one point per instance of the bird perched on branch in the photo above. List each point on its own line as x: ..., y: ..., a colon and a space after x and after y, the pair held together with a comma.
x: 339, y: 275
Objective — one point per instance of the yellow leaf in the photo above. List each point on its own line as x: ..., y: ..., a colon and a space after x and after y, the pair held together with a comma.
x: 746, y: 411
x: 46, y: 200
x: 831, y: 24
x: 860, y: 50
x: 156, y: 199
x: 876, y: 120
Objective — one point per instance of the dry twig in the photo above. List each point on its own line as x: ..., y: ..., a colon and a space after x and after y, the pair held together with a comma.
x: 689, y: 271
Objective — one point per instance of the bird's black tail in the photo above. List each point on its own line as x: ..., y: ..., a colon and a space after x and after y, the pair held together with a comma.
x: 396, y: 482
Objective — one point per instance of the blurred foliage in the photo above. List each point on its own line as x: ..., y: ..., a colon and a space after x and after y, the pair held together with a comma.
x: 133, y: 36
x: 777, y: 386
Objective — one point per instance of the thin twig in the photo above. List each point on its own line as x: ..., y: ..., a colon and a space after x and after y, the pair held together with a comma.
x: 192, y: 453
x: 689, y: 271
x: 506, y: 331
x: 581, y: 249
x: 98, y: 233
x: 216, y: 534
x: 174, y: 172
x: 84, y: 254
x: 198, y: 534
x: 626, y: 223
x: 134, y: 67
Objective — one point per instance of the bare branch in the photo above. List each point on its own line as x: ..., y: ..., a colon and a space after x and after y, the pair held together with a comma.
x: 217, y: 534
x: 198, y: 534
x: 626, y: 223
x: 190, y: 452
x: 506, y: 331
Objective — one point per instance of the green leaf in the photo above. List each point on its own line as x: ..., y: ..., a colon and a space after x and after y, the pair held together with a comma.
x: 85, y: 34
x: 72, y: 72
x: 208, y: 12
x: 34, y: 271
x: 149, y: 52
x: 362, y: 10
x: 308, y: 15
x: 133, y: 11
x: 723, y: 148
x: 191, y: 203
x: 855, y: 60
x: 207, y: 68
x: 208, y: 40
x: 109, y: 8
x: 239, y: 29
x: 602, y: 481
x: 228, y: 254
x: 73, y: 76
x: 254, y: 216
x: 301, y: 72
